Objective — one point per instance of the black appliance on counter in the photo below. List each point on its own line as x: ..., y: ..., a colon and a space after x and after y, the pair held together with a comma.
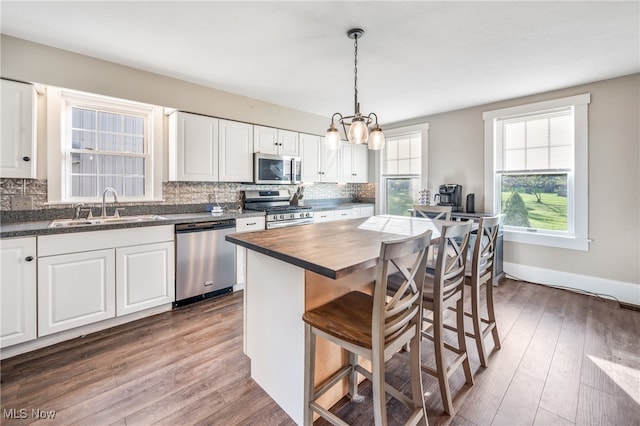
x: 278, y: 210
x: 450, y: 195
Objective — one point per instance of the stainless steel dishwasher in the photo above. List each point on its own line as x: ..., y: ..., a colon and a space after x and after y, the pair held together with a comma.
x: 205, y: 262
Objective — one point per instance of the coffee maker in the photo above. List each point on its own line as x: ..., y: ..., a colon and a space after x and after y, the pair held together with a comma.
x: 450, y: 195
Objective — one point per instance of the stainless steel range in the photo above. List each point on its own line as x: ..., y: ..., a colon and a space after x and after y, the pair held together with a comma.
x: 279, y: 212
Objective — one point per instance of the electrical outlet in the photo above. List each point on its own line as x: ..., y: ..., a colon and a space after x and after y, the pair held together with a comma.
x: 22, y: 203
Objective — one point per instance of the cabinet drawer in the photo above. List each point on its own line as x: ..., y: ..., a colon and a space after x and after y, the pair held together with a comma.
x: 250, y: 224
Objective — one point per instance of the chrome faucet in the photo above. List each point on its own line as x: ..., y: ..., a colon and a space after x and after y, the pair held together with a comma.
x: 104, y: 196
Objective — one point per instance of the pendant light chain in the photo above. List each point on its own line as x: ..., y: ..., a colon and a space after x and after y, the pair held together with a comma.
x: 355, y: 75
x: 359, y: 132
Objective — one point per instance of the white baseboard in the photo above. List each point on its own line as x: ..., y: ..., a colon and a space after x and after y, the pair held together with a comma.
x: 623, y: 291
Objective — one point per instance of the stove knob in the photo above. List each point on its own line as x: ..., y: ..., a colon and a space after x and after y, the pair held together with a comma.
x: 281, y: 217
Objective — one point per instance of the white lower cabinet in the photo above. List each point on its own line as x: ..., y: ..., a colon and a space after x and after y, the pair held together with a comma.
x: 86, y: 277
x: 75, y: 289
x: 245, y: 224
x: 17, y: 290
x: 347, y: 214
x: 366, y: 211
x: 324, y: 216
x: 144, y: 277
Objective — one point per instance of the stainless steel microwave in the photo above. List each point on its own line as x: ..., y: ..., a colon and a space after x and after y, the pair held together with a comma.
x: 276, y: 169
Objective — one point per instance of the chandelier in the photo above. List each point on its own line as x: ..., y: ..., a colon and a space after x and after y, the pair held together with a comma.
x: 358, y: 124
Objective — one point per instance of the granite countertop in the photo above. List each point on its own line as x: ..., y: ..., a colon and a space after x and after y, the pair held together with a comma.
x: 35, y: 228
x: 341, y: 206
x: 41, y: 227
x: 334, y: 249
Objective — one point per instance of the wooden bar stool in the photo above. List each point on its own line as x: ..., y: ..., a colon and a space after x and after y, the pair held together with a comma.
x: 375, y: 328
x: 432, y: 212
x: 481, y: 272
x: 443, y: 290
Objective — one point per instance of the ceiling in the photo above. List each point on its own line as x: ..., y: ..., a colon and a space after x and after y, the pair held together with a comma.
x: 416, y: 58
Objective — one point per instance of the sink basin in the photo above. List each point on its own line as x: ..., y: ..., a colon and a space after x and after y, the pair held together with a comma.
x: 67, y: 223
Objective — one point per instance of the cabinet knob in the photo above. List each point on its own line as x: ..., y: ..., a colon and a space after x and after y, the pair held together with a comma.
x: 26, y: 158
x: 28, y: 258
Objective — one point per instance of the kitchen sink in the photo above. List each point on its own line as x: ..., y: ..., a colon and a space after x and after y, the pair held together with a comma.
x: 68, y: 223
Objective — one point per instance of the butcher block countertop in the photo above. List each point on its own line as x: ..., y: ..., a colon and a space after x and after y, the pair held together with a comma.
x: 334, y: 249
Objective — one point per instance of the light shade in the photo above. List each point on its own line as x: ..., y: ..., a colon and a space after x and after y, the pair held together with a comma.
x: 376, y: 139
x: 332, y: 138
x: 358, y: 131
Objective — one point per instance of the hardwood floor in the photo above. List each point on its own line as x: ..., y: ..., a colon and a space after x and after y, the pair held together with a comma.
x: 565, y: 359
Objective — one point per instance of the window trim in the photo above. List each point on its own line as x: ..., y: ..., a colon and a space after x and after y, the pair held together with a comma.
x: 59, y: 102
x: 580, y: 184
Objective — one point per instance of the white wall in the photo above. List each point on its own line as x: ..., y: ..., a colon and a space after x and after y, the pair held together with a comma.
x: 612, y: 265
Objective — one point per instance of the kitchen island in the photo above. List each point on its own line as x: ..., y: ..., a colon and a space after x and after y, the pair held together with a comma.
x: 295, y: 269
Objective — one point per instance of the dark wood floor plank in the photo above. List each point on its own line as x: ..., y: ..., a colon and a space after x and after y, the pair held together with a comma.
x: 520, y: 402
x: 562, y: 388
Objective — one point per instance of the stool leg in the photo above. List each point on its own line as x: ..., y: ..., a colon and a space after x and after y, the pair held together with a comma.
x: 478, y: 335
x: 353, y: 379
x: 417, y: 390
x: 309, y: 373
x: 462, y: 343
x: 491, y: 313
x: 441, y: 368
x: 379, y: 395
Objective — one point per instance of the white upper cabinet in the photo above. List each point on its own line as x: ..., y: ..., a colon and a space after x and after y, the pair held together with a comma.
x: 355, y: 163
x: 18, y: 143
x: 269, y: 140
x: 193, y: 147
x: 318, y: 163
x: 236, y: 151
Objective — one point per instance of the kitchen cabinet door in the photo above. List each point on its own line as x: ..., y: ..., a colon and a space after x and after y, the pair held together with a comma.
x: 236, y: 151
x: 318, y: 163
x: 354, y: 163
x: 269, y: 140
x: 18, y: 118
x: 330, y: 164
x: 145, y: 277
x: 193, y: 147
x: 360, y: 164
x: 75, y: 289
x: 245, y: 224
x: 17, y: 290
x: 265, y: 139
x: 310, y: 157
x: 288, y: 143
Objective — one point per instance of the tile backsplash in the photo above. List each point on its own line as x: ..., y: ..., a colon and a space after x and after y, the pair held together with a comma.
x: 182, y: 193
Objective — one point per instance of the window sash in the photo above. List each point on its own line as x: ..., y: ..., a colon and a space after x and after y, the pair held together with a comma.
x: 537, y: 142
x: 123, y: 138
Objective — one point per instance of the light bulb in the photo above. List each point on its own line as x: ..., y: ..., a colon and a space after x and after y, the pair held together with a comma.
x: 358, y: 131
x: 332, y: 138
x: 376, y: 139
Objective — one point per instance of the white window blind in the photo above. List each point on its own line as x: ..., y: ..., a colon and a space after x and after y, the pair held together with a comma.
x: 535, y: 143
x: 403, y: 155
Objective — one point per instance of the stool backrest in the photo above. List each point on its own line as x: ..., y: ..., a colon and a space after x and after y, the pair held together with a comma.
x: 451, y: 262
x: 394, y: 313
x: 432, y: 212
x: 484, y: 249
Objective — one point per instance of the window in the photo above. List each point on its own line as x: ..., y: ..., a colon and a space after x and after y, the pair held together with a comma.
x: 537, y: 160
x: 104, y: 142
x: 402, y: 170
